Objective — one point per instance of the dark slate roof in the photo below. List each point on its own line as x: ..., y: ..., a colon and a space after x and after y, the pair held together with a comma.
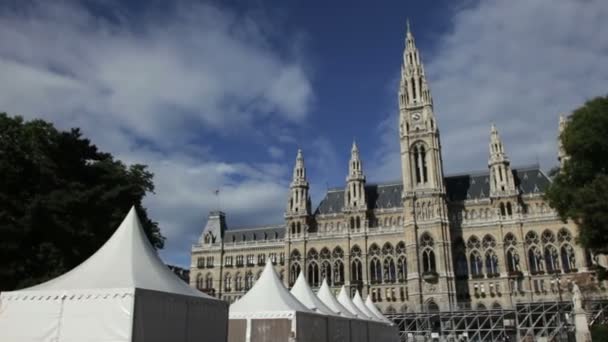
x: 247, y: 234
x: 378, y: 196
x: 528, y: 180
x: 476, y: 185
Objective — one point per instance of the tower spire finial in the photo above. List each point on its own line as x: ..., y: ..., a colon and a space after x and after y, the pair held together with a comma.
x: 407, y: 24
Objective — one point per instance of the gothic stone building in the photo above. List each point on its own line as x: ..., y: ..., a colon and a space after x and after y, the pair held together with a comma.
x: 425, y: 242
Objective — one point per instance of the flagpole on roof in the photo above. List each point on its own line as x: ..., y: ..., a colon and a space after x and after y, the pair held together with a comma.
x: 217, y: 195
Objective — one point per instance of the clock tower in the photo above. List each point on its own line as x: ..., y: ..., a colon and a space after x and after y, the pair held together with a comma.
x: 430, y: 270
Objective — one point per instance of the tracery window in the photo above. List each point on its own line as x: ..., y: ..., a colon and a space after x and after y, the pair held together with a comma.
x: 375, y: 270
x: 238, y: 282
x: 428, y: 254
x: 491, y: 259
x: 510, y: 243
x: 535, y: 256
x: 567, y: 253
x: 356, y: 273
x: 389, y: 270
x: 313, y: 274
x: 550, y: 251
x: 420, y: 163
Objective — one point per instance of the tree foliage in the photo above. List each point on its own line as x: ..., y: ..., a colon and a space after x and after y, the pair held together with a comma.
x: 60, y: 200
x: 579, y: 190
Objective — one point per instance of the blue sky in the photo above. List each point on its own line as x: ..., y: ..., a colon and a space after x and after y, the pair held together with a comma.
x: 220, y: 95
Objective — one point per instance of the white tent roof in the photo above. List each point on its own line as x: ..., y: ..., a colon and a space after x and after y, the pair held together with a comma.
x: 126, y: 261
x: 373, y: 309
x: 328, y: 299
x: 345, y: 300
x: 268, y: 298
x: 358, y: 301
x: 304, y: 294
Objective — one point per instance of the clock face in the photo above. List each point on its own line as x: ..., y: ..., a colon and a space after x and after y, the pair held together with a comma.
x: 416, y: 116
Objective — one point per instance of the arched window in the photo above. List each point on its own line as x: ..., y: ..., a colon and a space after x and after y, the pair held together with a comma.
x: 294, y: 272
x: 298, y: 228
x: 568, y: 257
x: 227, y: 282
x: 248, y: 280
x: 509, y: 209
x: 375, y: 271
x: 326, y: 271
x: 420, y: 164
x: 200, y: 282
x: 496, y: 306
x: 402, y: 268
x: 358, y: 222
x: 551, y: 259
x: 313, y: 274
x: 293, y: 228
x: 374, y: 249
x: 550, y: 252
x: 238, y: 282
x: 513, y: 261
x: 502, y: 209
x: 356, y: 274
x: 338, y: 278
x: 491, y: 263
x: 352, y: 223
x: 428, y: 255
x: 476, y: 264
x: 535, y: 260
x: 355, y: 251
x: 389, y: 270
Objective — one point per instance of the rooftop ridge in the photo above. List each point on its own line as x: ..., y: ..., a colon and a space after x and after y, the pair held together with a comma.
x: 250, y: 228
x: 522, y: 167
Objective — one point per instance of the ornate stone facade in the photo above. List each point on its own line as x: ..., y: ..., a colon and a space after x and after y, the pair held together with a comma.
x: 426, y: 242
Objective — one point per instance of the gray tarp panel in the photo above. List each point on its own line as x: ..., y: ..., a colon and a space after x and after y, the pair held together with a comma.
x: 311, y: 327
x: 358, y: 331
x: 270, y: 330
x: 338, y: 329
x: 237, y: 330
x: 162, y: 317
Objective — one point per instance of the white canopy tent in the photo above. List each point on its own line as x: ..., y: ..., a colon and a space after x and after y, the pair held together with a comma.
x: 304, y: 295
x: 374, y: 310
x: 346, y: 302
x: 269, y: 312
x: 338, y: 327
x: 124, y: 292
x: 331, y: 302
x: 358, y: 301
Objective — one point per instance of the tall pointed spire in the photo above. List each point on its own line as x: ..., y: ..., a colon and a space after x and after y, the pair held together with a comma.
x: 414, y: 90
x: 299, y: 199
x: 502, y: 182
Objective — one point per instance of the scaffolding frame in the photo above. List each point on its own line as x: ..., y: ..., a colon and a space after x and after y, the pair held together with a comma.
x: 548, y: 320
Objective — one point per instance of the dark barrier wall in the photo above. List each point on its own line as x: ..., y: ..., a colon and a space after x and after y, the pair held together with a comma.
x: 311, y: 327
x: 358, y: 331
x: 338, y: 329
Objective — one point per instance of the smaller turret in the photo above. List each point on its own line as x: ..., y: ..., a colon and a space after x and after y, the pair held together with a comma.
x: 354, y: 195
x: 299, y: 200
x: 501, y: 175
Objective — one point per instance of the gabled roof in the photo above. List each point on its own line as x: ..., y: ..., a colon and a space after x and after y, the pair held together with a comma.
x: 328, y: 299
x: 346, y: 302
x: 358, y: 301
x: 304, y: 294
x: 373, y: 309
x: 267, y: 298
x: 126, y: 261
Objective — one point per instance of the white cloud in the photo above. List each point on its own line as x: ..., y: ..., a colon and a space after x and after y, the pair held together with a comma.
x: 166, y: 80
x: 518, y: 64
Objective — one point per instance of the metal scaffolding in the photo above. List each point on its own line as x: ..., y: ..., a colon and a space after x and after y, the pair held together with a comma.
x: 546, y: 321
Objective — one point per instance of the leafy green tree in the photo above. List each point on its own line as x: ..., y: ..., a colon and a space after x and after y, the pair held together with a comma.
x: 60, y: 200
x: 579, y: 190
